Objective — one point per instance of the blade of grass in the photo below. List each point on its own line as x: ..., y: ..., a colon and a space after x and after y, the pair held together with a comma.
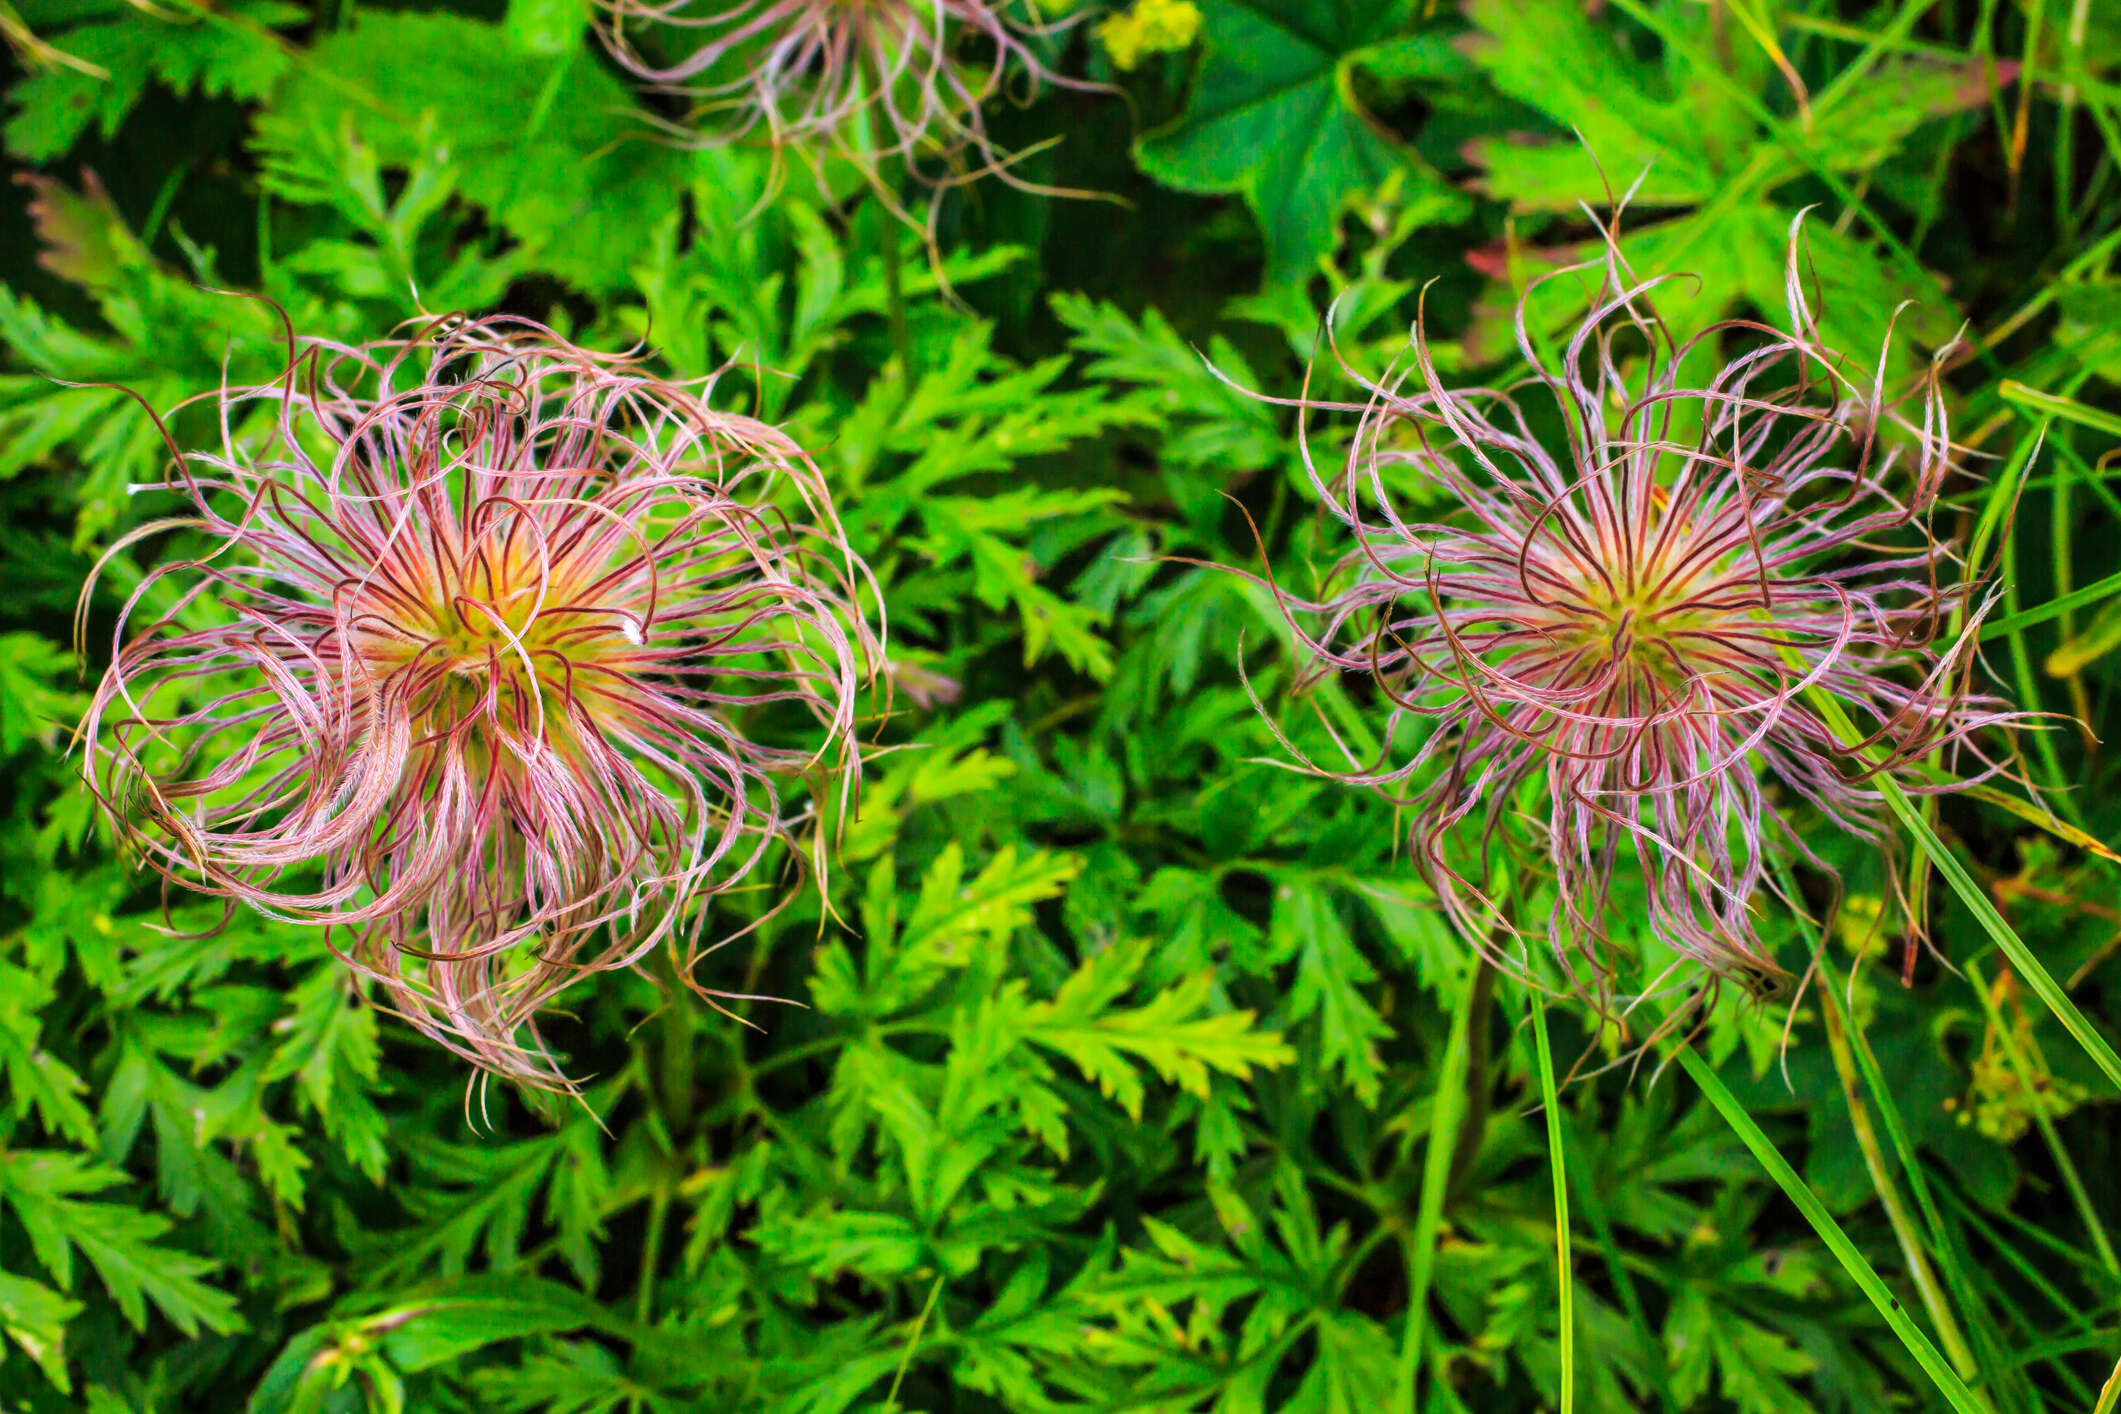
x: 2061, y: 536
x: 2004, y: 493
x: 2084, y: 1265
x: 1943, y: 1240
x: 2054, y: 608
x: 2080, y: 651
x: 913, y: 1342
x: 1977, y: 902
x: 2051, y: 1350
x: 2039, y: 819
x: 1852, y: 1260
x: 2093, y: 255
x: 1616, y: 1267
x: 2071, y: 1180
x: 2069, y: 1310
x: 2075, y: 470
x: 2110, y: 1396
x: 1912, y: 1248
x: 2055, y: 405
x: 1852, y: 1054
x: 1557, y: 1159
x: 2056, y: 782
x: 1446, y: 1109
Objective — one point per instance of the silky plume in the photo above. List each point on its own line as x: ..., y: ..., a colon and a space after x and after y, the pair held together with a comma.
x: 464, y: 675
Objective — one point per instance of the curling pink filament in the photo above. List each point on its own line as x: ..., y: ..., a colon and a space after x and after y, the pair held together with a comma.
x: 1636, y: 624
x: 811, y: 71
x: 456, y: 679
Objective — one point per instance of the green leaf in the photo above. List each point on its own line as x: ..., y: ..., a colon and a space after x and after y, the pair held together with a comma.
x: 37, y: 1080
x: 513, y: 126
x: 1846, y: 1252
x: 954, y: 921
x: 1330, y: 974
x: 546, y: 27
x: 1080, y: 1023
x: 42, y: 1187
x: 573, y: 1377
x: 1272, y: 115
x: 225, y: 51
x: 34, y: 1317
x: 330, y: 1048
x: 1753, y: 1363
x: 477, y: 1314
x: 476, y: 1201
x: 1708, y: 172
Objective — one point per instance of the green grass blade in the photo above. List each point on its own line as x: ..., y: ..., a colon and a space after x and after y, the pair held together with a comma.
x: 1977, y: 903
x: 2055, y: 781
x: 2055, y: 405
x: 1616, y: 1268
x: 1446, y: 1111
x: 1557, y: 1158
x: 1799, y: 1192
x: 1942, y: 1240
x: 2071, y: 1180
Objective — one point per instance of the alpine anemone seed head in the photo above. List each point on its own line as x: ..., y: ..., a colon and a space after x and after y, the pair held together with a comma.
x: 461, y: 675
x: 868, y: 80
x: 1611, y: 624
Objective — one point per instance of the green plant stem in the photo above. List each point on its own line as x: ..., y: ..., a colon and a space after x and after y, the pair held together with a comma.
x: 1444, y: 1107
x: 887, y: 225
x: 677, y: 1033
x: 651, y: 1253
x: 2071, y: 1180
x: 913, y: 1342
x: 1474, y: 1124
x: 1557, y: 1159
x: 1852, y: 1260
x: 1919, y: 1270
x: 1616, y: 1266
x: 1942, y: 1238
x: 1977, y: 902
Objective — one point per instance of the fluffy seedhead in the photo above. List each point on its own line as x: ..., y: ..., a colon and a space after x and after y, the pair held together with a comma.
x: 1616, y: 605
x: 459, y: 677
x: 876, y: 82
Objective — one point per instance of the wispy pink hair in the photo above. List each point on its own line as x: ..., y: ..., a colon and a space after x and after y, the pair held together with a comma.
x: 811, y: 74
x: 1634, y: 624
x: 456, y: 678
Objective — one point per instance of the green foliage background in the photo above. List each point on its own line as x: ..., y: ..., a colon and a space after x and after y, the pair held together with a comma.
x: 1122, y: 1056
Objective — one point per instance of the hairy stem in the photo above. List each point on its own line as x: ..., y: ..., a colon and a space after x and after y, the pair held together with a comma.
x: 1475, y: 1122
x: 677, y: 1032
x: 888, y: 242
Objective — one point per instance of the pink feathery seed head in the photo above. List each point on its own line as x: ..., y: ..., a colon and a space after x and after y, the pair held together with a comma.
x: 870, y: 80
x: 1625, y: 614
x: 460, y: 677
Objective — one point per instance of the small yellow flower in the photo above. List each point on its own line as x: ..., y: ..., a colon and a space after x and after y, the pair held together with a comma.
x: 1151, y: 27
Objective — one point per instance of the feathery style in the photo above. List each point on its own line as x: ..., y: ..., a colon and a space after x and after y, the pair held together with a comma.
x: 1628, y: 630
x: 869, y: 80
x: 459, y: 677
